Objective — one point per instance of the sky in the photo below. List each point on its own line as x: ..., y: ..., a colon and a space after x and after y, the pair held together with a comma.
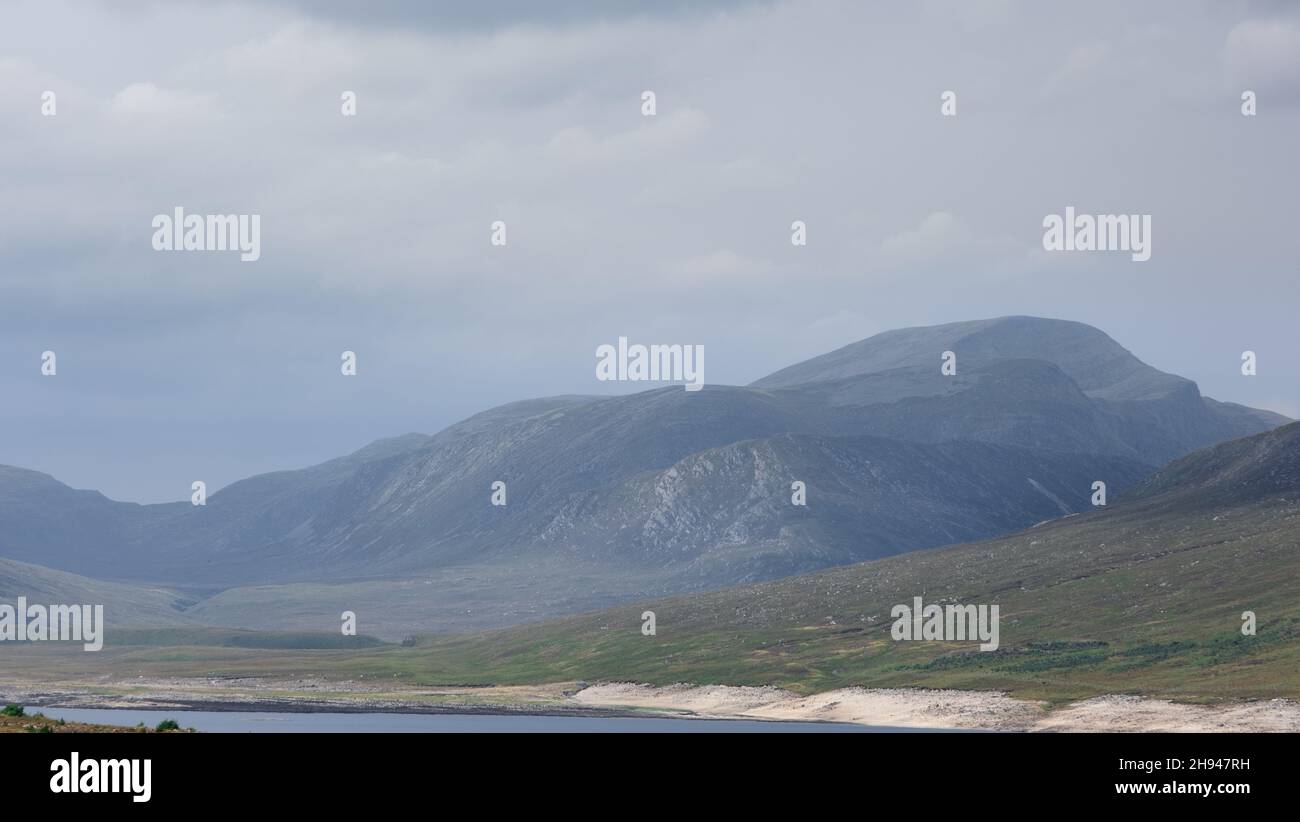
x: 672, y: 228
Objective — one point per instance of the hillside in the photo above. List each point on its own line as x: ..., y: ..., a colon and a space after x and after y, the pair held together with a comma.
x: 1145, y: 596
x: 656, y: 492
x: 124, y: 605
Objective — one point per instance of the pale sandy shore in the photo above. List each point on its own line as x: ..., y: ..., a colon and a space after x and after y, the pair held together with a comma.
x: 918, y: 708
x: 896, y: 707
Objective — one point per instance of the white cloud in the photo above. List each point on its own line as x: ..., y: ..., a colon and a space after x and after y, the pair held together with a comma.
x: 721, y: 265
x: 937, y: 236
x: 148, y: 101
x: 942, y: 239
x: 1264, y: 55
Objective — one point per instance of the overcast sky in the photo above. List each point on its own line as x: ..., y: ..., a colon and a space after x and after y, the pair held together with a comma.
x: 672, y: 229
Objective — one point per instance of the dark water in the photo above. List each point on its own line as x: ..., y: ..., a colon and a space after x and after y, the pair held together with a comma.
x: 268, y: 722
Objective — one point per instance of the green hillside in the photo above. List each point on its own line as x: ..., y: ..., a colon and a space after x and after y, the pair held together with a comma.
x: 1143, y: 597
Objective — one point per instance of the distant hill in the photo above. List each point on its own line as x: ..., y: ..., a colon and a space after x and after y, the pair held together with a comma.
x: 666, y: 490
x: 124, y: 605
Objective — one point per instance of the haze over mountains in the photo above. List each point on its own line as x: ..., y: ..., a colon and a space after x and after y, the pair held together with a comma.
x: 659, y: 491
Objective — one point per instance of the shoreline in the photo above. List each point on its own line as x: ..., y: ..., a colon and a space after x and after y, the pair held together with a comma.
x: 329, y: 707
x: 495, y: 710
x: 957, y: 710
x: 902, y: 708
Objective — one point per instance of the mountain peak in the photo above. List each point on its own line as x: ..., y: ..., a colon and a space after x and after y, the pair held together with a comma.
x: 1101, y: 367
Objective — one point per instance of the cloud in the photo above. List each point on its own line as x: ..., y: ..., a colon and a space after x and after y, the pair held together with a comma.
x: 444, y: 15
x: 1264, y: 55
x: 376, y: 227
x: 577, y: 145
x: 937, y: 236
x: 1079, y: 67
x: 942, y: 239
x: 146, y: 101
x: 722, y: 265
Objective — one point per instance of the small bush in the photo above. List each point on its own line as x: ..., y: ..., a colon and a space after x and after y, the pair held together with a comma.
x: 12, y: 710
x: 167, y: 725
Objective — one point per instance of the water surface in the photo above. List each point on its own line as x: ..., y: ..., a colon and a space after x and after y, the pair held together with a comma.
x: 275, y: 722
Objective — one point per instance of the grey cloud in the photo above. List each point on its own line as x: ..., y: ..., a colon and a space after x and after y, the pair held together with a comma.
x: 444, y: 15
x: 676, y: 228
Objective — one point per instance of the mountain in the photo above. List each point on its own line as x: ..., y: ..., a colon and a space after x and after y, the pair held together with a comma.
x: 41, y: 519
x: 868, y: 497
x: 1144, y: 596
x: 1085, y: 388
x: 124, y: 604
x: 663, y: 490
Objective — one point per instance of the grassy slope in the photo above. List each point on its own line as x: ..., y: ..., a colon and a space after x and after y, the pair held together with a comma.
x: 1144, y: 597
x: 1130, y: 600
x: 1114, y: 602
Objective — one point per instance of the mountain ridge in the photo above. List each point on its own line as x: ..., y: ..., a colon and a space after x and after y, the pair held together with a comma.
x: 583, y: 472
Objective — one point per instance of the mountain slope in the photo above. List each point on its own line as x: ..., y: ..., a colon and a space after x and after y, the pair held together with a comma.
x: 41, y: 519
x: 124, y: 605
x: 726, y: 513
x: 1037, y: 411
x: 1144, y: 596
x: 1244, y: 470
